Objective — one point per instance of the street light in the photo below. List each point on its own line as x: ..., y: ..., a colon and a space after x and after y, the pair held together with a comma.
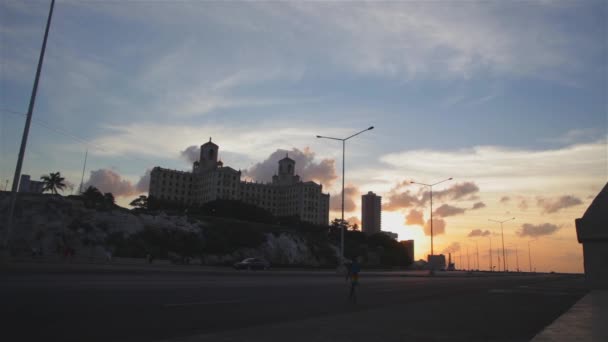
x: 504, y: 261
x: 431, y: 187
x: 491, y: 268
x: 343, y: 165
x: 26, y: 131
x: 530, y: 255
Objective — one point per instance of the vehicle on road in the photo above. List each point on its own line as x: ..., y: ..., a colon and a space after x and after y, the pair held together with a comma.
x: 252, y: 264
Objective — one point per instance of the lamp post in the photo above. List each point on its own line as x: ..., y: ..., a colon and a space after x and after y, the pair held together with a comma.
x: 343, y: 140
x: 504, y: 261
x: 490, y: 238
x: 477, y: 251
x: 431, y: 187
x: 26, y: 131
x: 530, y: 256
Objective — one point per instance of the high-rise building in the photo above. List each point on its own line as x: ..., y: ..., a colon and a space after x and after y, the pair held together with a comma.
x: 210, y: 180
x: 371, y: 211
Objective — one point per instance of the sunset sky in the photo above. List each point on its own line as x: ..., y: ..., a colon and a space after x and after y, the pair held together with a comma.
x: 508, y: 98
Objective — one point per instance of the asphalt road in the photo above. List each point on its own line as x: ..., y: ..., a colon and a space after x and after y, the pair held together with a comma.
x: 252, y: 306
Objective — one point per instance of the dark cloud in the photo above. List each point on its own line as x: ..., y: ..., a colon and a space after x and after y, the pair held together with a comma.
x: 550, y: 206
x: 446, y: 210
x: 415, y: 217
x: 478, y: 233
x: 451, y: 248
x: 351, y: 195
x: 505, y: 199
x: 455, y: 192
x: 399, y: 198
x: 323, y: 171
x: 531, y: 230
x: 523, y: 204
x: 478, y: 205
x: 438, y: 227
x: 191, y: 153
x: 110, y: 181
x: 403, y: 200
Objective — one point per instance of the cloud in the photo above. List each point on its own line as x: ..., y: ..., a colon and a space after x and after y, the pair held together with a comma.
x: 502, y: 169
x: 550, y: 206
x: 446, y: 210
x: 191, y: 153
x: 144, y: 182
x: 415, y: 217
x: 531, y: 230
x: 354, y: 220
x: 398, y: 198
x: 451, y: 248
x: 505, y: 199
x: 456, y: 191
x: 323, y: 171
x: 479, y: 233
x: 110, y: 181
x: 438, y: 227
x: 351, y: 194
x: 478, y: 205
x: 401, y: 200
x: 523, y: 204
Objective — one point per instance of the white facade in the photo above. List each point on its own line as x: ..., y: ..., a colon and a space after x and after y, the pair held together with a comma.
x: 210, y: 180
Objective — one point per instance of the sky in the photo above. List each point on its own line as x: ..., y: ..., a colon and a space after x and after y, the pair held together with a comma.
x: 508, y: 98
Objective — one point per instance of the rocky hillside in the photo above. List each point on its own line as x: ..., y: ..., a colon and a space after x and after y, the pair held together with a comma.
x: 53, y: 223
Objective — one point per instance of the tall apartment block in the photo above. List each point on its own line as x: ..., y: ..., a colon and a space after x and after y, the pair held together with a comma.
x: 371, y: 212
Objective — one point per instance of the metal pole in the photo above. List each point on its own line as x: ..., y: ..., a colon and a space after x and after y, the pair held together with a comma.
x: 489, y: 237
x: 516, y: 260
x: 529, y: 257
x: 468, y: 260
x: 83, y: 167
x: 477, y: 248
x: 343, y: 175
x: 432, y: 251
x: 460, y: 255
x: 504, y: 258
x: 26, y: 131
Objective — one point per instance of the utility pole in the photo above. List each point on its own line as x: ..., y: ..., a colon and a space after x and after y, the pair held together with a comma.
x: 504, y: 257
x: 491, y: 269
x: 516, y: 259
x: 26, y: 131
x: 83, y: 167
x: 477, y: 252
x: 529, y: 256
x: 431, y: 193
x: 468, y: 260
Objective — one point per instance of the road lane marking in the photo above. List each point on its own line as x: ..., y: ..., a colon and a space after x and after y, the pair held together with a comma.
x: 203, y: 303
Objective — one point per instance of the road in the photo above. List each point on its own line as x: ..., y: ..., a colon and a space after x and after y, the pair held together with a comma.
x: 270, y: 306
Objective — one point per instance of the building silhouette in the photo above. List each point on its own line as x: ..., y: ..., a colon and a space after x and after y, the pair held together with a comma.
x: 210, y: 180
x: 371, y: 211
x: 409, y: 244
x: 31, y: 186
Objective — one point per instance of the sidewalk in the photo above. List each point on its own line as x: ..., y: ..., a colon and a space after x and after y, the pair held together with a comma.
x: 586, y: 321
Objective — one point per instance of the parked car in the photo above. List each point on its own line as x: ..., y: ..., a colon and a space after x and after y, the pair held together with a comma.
x: 252, y: 264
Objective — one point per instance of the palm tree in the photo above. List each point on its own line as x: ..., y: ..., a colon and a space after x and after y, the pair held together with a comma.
x: 53, y: 182
x: 92, y: 196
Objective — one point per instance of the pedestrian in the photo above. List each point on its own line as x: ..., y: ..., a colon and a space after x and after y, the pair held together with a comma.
x: 353, y: 273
